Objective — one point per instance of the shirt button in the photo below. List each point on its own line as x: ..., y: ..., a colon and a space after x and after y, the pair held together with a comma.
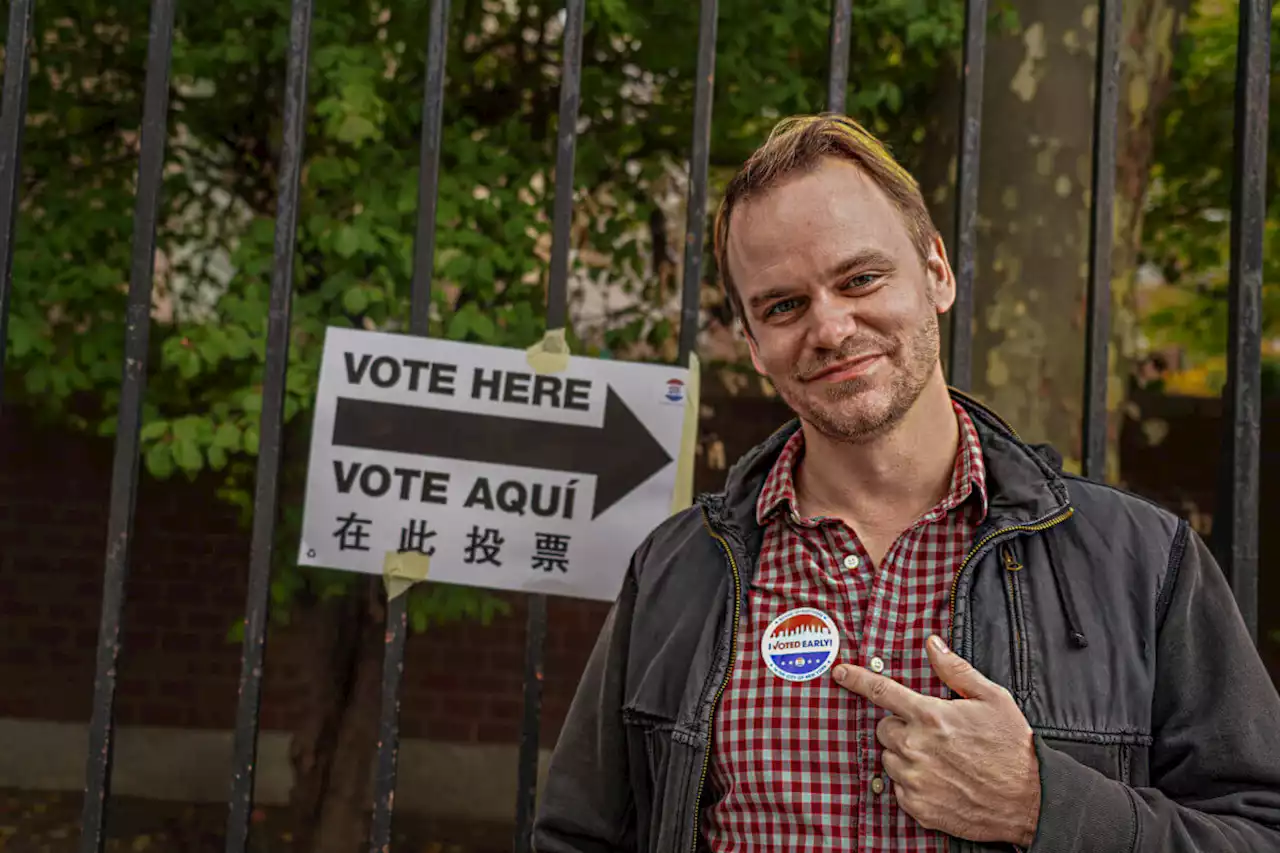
x: 851, y: 561
x: 877, y: 785
x: 877, y: 665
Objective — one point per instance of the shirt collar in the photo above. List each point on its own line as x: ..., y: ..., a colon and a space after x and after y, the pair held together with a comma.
x: 968, y: 477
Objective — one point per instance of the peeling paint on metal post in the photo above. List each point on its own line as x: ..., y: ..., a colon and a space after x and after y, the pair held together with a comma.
x: 1101, y: 231
x: 838, y: 53
x: 124, y: 471
x: 245, y: 748
x: 699, y: 159
x: 13, y: 118
x: 397, y: 614
x: 960, y: 358
x: 1236, y: 525
x: 557, y: 315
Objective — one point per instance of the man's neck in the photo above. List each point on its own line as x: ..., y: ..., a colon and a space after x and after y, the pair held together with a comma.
x: 890, y: 481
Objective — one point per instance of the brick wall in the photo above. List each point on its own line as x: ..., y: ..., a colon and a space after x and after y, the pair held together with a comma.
x: 186, y: 589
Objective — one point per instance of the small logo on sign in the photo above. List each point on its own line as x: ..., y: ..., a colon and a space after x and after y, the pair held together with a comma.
x: 800, y: 645
x: 675, y: 391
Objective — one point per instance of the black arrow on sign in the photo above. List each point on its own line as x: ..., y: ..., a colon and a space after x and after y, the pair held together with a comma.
x: 621, y: 453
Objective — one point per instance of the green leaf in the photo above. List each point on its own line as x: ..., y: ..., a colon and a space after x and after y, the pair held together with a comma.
x: 355, y: 300
x: 187, y: 455
x: 484, y: 328
x: 188, y: 363
x: 159, y: 461
x: 153, y: 430
x: 211, y: 346
x: 239, y: 344
x: 217, y: 457
x: 227, y: 437
x: 22, y: 335
x: 251, y: 440
x: 459, y: 325
x: 356, y: 129
x: 185, y: 431
x: 457, y: 267
x: 347, y: 241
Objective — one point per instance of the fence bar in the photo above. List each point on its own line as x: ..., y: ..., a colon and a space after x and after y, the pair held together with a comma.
x: 960, y: 357
x: 12, y: 120
x: 695, y: 226
x: 557, y: 317
x: 124, y: 471
x: 273, y: 387
x: 566, y: 146
x: 419, y: 324
x: 424, y: 252
x: 1102, y: 196
x: 838, y: 67
x: 1238, y: 504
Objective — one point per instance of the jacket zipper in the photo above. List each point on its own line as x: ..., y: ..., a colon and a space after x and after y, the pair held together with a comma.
x: 1021, y: 681
x: 1036, y: 527
x: 733, y: 654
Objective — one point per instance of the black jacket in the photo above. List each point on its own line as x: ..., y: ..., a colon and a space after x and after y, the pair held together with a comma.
x: 1156, y: 726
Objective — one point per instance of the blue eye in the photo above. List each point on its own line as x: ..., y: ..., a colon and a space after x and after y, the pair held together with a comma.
x: 779, y: 307
x: 862, y: 280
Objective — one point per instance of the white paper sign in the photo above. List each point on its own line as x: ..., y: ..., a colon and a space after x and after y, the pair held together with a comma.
x: 506, y: 478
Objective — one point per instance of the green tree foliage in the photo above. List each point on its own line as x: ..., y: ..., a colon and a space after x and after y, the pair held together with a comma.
x: 1188, y: 222
x: 359, y: 193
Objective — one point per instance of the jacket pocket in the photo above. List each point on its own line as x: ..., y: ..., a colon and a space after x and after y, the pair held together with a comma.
x: 1020, y: 654
x: 649, y: 750
x: 1113, y: 760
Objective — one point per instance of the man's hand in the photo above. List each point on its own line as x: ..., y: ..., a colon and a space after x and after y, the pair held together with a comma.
x: 966, y: 767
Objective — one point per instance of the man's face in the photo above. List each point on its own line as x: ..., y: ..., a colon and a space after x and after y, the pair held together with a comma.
x: 842, y: 310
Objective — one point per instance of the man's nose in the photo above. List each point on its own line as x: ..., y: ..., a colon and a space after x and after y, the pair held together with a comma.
x: 833, y: 321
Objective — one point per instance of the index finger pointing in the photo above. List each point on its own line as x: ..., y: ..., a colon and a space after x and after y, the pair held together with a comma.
x: 884, y: 692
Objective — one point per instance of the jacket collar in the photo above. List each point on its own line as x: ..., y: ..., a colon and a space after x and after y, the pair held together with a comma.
x: 1023, y: 486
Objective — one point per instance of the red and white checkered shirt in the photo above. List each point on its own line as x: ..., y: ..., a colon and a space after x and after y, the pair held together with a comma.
x: 796, y: 764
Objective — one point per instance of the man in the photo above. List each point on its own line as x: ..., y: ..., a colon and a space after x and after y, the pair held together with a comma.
x: 899, y: 627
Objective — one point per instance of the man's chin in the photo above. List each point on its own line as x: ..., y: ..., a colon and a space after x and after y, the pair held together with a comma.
x: 865, y: 424
x: 850, y: 389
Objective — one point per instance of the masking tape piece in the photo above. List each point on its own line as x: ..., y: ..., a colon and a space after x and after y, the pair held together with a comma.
x: 401, y: 570
x: 549, y: 355
x: 682, y: 494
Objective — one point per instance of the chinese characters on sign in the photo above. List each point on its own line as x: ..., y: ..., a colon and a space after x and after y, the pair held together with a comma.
x: 483, y: 546
x: 550, y: 550
x: 415, y: 536
x: 351, y: 533
x: 550, y: 553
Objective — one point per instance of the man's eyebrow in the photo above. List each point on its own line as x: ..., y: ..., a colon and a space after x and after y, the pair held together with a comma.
x: 869, y: 258
x: 861, y: 260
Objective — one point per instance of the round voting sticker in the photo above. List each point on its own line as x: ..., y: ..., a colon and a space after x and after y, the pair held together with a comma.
x: 800, y: 644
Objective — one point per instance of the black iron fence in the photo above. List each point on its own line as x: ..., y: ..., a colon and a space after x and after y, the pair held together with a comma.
x: 1237, y: 515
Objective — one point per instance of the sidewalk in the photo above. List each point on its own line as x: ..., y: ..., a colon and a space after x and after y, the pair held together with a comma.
x: 48, y: 822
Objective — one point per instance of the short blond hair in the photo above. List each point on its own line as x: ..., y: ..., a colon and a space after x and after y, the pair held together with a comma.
x: 798, y: 144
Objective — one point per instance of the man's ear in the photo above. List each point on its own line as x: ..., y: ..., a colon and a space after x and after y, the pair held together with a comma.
x: 941, y: 279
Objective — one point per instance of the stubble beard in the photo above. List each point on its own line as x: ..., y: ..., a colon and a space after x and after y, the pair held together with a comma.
x: 842, y: 411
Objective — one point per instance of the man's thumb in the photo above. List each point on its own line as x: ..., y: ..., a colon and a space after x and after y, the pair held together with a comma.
x: 956, y: 672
